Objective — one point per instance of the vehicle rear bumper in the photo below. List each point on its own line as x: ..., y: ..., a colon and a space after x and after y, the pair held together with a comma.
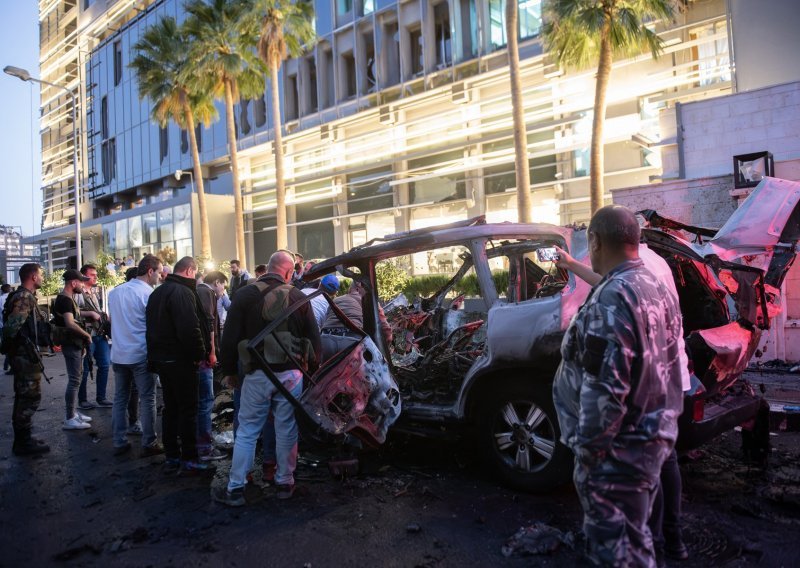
x: 720, y: 416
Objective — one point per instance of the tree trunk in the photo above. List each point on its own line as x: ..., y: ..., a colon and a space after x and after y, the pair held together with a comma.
x: 597, y: 159
x: 277, y: 145
x: 237, y: 189
x: 520, y: 132
x: 205, y: 234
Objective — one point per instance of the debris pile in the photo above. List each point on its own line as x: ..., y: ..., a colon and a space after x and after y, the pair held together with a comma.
x: 537, y: 539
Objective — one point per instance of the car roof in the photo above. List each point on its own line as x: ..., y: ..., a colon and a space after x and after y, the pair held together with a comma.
x: 457, y: 233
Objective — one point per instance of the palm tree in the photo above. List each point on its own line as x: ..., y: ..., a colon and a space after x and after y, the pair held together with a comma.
x: 225, y: 65
x: 582, y: 33
x: 286, y: 26
x: 161, y: 65
x: 518, y: 112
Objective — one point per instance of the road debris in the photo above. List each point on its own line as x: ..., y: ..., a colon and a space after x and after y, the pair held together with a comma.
x: 536, y: 539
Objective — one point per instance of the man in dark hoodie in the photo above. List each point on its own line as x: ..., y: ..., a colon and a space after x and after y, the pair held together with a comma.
x: 178, y: 341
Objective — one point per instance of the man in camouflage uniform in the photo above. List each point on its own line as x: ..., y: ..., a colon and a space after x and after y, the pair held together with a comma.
x: 618, y: 392
x: 20, y: 338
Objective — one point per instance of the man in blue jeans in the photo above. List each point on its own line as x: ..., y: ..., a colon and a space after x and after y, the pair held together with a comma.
x: 127, y: 304
x: 253, y: 307
x: 96, y: 325
x: 209, y: 290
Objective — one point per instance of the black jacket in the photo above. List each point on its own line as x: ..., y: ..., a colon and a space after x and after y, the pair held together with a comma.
x: 244, y: 322
x: 177, y: 329
x: 208, y: 302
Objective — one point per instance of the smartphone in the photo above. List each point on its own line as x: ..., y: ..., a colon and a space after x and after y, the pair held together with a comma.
x: 548, y: 254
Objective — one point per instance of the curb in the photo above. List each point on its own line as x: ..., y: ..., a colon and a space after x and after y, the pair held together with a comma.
x: 784, y: 417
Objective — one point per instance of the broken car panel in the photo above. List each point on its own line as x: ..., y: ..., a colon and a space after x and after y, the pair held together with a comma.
x: 480, y: 346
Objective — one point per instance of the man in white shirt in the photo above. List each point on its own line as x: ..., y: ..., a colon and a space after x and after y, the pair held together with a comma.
x: 126, y: 308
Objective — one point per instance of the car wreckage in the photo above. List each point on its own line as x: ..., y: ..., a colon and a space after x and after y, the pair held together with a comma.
x: 482, y: 348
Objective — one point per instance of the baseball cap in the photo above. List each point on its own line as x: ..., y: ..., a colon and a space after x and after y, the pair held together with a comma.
x: 330, y: 283
x: 73, y: 274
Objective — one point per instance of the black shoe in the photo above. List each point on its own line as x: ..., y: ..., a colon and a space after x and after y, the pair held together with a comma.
x: 234, y: 498
x: 120, y: 450
x: 676, y: 551
x: 30, y: 447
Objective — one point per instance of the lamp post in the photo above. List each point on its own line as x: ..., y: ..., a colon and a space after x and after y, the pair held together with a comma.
x: 23, y: 75
x: 179, y: 175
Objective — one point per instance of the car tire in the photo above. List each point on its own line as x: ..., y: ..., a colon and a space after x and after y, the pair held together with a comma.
x: 519, y: 438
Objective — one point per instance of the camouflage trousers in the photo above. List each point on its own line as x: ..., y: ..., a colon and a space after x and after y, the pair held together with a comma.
x: 27, y: 396
x: 615, y: 518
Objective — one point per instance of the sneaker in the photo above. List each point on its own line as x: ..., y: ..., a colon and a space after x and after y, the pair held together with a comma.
x: 195, y: 467
x: 120, y: 450
x: 234, y: 498
x: 134, y: 429
x: 104, y: 403
x: 75, y: 423
x: 83, y: 417
x: 285, y: 491
x: 171, y: 466
x: 30, y: 447
x: 213, y: 455
x: 86, y: 405
x: 155, y: 449
x: 268, y: 471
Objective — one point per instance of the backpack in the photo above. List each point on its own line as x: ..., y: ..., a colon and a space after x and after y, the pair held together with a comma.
x: 281, y: 340
x: 35, y: 329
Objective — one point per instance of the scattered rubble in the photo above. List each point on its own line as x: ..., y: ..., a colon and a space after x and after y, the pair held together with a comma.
x: 537, y: 539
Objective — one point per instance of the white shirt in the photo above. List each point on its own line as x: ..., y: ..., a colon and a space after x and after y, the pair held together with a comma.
x: 3, y: 298
x: 319, y: 304
x: 126, y: 306
x: 661, y: 270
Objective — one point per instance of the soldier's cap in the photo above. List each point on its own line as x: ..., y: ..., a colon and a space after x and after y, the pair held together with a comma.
x: 73, y: 274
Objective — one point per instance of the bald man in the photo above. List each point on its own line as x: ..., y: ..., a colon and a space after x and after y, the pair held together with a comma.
x: 254, y: 307
x: 618, y: 392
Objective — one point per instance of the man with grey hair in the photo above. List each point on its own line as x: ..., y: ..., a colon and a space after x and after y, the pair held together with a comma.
x: 253, y: 307
x: 618, y: 392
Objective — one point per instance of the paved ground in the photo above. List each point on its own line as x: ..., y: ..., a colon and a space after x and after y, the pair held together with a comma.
x: 414, y: 503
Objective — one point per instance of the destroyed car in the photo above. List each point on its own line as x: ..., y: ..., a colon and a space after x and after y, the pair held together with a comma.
x: 477, y: 343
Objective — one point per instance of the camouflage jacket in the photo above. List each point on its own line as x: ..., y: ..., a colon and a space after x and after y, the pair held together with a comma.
x: 618, y: 389
x: 18, y: 320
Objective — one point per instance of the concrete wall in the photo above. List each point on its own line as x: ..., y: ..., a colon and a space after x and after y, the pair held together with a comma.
x: 705, y: 202
x: 765, y: 42
x: 715, y: 130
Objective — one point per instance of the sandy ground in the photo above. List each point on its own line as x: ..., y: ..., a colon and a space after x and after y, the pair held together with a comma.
x: 414, y: 503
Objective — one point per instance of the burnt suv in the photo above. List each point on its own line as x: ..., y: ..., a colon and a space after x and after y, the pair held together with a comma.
x: 479, y: 342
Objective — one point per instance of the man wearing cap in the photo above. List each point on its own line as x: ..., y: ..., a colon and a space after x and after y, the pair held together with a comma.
x: 334, y: 335
x: 330, y: 285
x: 74, y: 340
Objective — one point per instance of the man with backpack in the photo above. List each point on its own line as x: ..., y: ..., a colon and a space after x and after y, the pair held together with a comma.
x: 253, y: 307
x: 23, y: 323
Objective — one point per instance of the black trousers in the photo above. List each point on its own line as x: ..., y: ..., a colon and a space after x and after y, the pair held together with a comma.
x: 179, y: 386
x: 665, y: 520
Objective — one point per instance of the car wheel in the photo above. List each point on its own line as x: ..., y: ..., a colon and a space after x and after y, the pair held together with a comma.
x: 519, y: 435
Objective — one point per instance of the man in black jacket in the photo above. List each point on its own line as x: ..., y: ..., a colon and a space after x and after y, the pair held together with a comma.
x: 246, y: 319
x: 177, y: 342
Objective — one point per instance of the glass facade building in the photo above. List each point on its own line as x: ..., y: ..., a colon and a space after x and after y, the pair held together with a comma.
x: 398, y: 117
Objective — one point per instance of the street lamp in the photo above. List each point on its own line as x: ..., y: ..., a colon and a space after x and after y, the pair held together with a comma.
x: 23, y: 75
x: 179, y: 175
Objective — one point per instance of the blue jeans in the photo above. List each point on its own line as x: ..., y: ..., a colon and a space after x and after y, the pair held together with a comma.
x: 125, y: 376
x: 101, y: 351
x: 205, y: 404
x: 267, y: 433
x: 259, y: 396
x: 73, y: 357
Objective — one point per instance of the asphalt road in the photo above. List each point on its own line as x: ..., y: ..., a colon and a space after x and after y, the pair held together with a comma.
x: 414, y: 503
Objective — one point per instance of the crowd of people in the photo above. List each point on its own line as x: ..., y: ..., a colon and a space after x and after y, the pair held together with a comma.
x: 617, y: 392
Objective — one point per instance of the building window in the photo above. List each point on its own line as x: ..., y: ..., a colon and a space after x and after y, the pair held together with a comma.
x: 369, y: 191
x: 343, y: 7
x: 444, y: 49
x: 315, y: 240
x: 442, y: 188
x: 367, y: 60
x: 497, y: 28
x: 390, y: 61
x: 104, y: 118
x: 369, y: 7
x: 347, y: 75
x: 469, y: 30
x: 244, y: 116
x: 109, y: 160
x: 117, y: 62
x: 198, y: 136
x: 291, y: 95
x: 713, y: 63
x: 184, y: 141
x: 311, y: 88
x: 326, y: 68
x: 163, y: 143
x: 260, y: 111
x: 415, y: 43
x: 530, y: 18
